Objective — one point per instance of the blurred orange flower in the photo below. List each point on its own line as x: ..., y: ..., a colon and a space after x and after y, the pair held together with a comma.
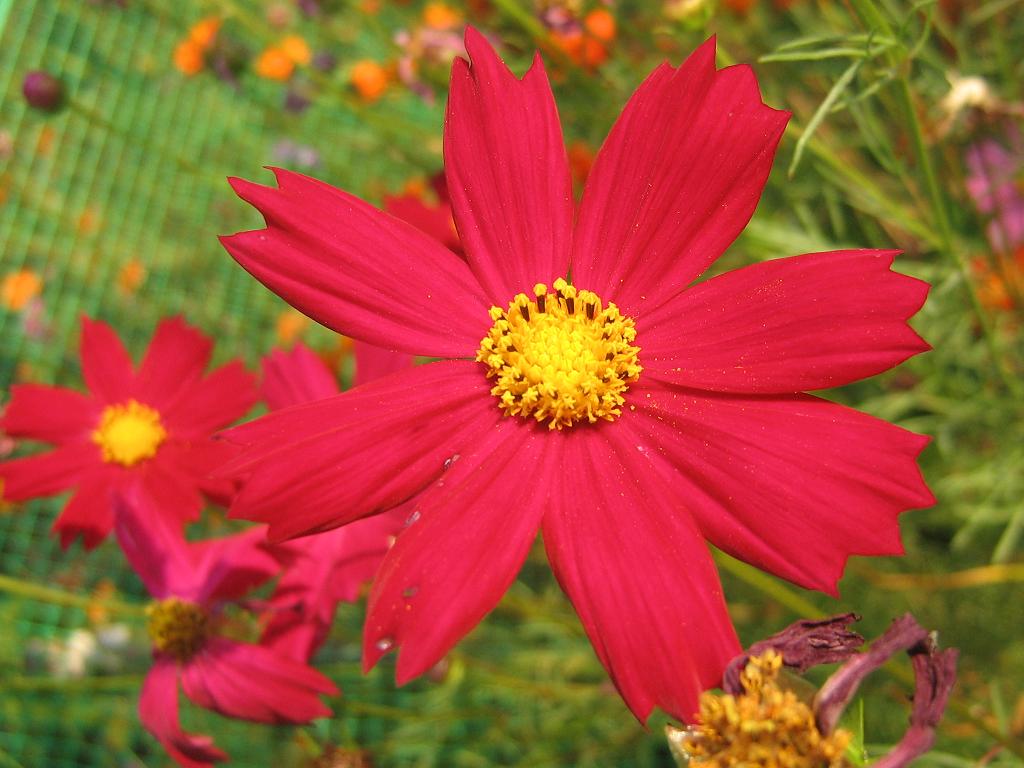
x: 204, y: 32
x: 1001, y: 287
x: 441, y: 16
x: 290, y: 325
x: 130, y: 276
x: 19, y: 288
x: 369, y: 78
x: 274, y: 64
x: 190, y: 54
x: 296, y: 48
x: 600, y: 24
x: 588, y: 45
x: 188, y: 58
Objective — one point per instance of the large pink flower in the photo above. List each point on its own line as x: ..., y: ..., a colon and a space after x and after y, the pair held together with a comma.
x: 149, y: 427
x: 328, y: 567
x: 627, y: 432
x: 192, y: 583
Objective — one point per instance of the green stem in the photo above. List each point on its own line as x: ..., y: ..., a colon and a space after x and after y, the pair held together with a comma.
x: 769, y: 586
x: 941, y: 217
x: 56, y: 596
x: 875, y: 19
x: 117, y: 683
x: 8, y: 761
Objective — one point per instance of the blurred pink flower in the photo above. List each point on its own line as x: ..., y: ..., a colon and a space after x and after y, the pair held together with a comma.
x: 192, y: 583
x: 328, y: 567
x: 148, y: 427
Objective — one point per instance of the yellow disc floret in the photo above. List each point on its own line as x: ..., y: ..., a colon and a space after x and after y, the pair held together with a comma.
x: 177, y: 627
x: 560, y: 357
x: 764, y: 727
x: 129, y: 433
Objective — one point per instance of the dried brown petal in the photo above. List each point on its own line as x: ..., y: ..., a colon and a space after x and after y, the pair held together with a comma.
x: 802, y: 645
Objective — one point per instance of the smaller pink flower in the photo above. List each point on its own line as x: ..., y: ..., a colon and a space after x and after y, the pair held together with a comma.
x: 143, y: 428
x: 329, y: 567
x: 192, y: 583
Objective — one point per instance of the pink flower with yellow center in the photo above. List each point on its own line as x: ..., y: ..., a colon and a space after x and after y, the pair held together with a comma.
x: 192, y: 584
x: 149, y: 427
x: 587, y: 387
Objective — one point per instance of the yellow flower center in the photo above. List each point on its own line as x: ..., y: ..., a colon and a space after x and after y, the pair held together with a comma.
x: 129, y: 433
x: 177, y: 627
x: 765, y: 726
x: 561, y: 356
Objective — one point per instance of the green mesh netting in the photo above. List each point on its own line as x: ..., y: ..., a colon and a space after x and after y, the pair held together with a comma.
x: 130, y: 171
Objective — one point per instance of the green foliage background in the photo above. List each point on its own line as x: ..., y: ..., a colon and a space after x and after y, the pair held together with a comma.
x: 133, y: 169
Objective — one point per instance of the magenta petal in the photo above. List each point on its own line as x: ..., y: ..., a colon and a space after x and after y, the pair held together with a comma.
x: 675, y: 182
x: 176, y: 358
x: 50, y: 414
x: 216, y: 401
x: 466, y: 538
x: 507, y: 172
x: 330, y: 567
x: 434, y: 220
x: 296, y: 377
x: 786, y: 325
x: 175, y: 494
x: 46, y: 474
x: 158, y: 711
x: 639, y: 575
x: 156, y: 551
x: 90, y: 512
x: 317, y: 466
x: 253, y: 683
x: 106, y: 366
x: 373, y: 362
x: 358, y: 270
x: 229, y: 567
x: 792, y: 484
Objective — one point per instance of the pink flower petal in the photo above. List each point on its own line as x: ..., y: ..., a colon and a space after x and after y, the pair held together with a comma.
x: 158, y: 711
x: 229, y: 567
x: 466, y: 538
x: 358, y: 270
x: 790, y: 483
x: 156, y: 551
x: 434, y: 220
x: 253, y: 683
x: 334, y: 461
x: 507, y: 172
x: 296, y: 377
x: 46, y: 474
x: 330, y: 567
x: 50, y: 414
x: 90, y: 513
x: 373, y: 362
x: 176, y: 358
x: 197, y: 460
x: 216, y: 401
x: 675, y: 182
x: 175, y: 495
x: 639, y: 575
x: 106, y: 366
x: 786, y: 325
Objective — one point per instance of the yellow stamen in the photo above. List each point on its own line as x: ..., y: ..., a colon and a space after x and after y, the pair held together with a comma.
x: 764, y: 727
x: 177, y: 627
x: 562, y: 357
x: 129, y: 433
